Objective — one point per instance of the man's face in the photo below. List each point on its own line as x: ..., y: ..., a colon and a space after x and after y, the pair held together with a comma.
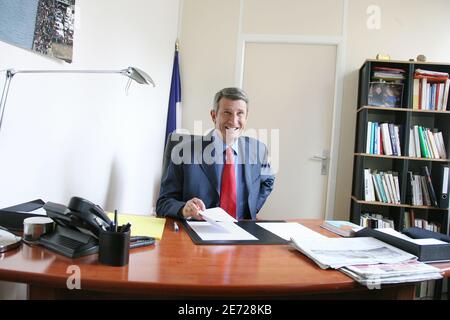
x: 230, y: 119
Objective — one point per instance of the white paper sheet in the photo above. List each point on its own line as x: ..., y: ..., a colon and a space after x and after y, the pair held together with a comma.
x: 226, y: 231
x: 287, y: 230
x: 217, y: 214
x: 427, y: 241
x: 41, y: 211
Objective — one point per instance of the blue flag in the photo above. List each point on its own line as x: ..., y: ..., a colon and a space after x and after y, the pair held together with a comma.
x: 175, y: 97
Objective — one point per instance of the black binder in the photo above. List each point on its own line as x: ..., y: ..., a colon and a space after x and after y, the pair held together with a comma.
x: 424, y: 253
x: 12, y: 217
x: 441, y: 178
x: 264, y: 236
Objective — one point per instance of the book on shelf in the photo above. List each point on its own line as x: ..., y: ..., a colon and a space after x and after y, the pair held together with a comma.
x: 441, y: 178
x: 420, y: 189
x: 387, y: 74
x: 429, y: 185
x: 430, y: 90
x: 410, y: 221
x: 374, y: 220
x: 426, y: 143
x: 381, y: 186
x: 425, y: 192
x: 383, y: 138
x: 342, y: 228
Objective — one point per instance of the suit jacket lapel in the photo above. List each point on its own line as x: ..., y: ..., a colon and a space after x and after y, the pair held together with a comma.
x: 244, y: 156
x: 250, y: 158
x: 207, y: 164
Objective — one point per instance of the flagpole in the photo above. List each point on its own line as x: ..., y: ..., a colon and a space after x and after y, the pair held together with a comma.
x: 174, y: 96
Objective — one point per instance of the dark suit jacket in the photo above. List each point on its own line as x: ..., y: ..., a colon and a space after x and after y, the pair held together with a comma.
x: 192, y: 172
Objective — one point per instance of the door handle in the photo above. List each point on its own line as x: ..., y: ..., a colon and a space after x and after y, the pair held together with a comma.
x: 324, y: 159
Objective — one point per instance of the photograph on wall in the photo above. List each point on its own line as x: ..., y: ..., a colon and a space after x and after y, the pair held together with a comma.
x: 383, y: 94
x: 43, y: 26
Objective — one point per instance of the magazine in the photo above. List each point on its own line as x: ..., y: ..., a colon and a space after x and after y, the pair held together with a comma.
x: 342, y: 228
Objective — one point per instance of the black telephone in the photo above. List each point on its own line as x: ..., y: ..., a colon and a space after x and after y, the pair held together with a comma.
x: 77, y: 227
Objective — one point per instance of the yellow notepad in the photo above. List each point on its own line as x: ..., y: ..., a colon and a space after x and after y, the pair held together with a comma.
x: 141, y: 225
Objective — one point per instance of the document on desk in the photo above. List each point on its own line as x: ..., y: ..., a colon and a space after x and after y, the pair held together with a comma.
x: 288, y: 230
x: 341, y: 252
x: 217, y: 214
x: 142, y: 225
x: 226, y: 231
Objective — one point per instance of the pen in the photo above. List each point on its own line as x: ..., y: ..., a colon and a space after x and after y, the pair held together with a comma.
x: 115, y: 220
x: 138, y: 244
x: 175, y: 227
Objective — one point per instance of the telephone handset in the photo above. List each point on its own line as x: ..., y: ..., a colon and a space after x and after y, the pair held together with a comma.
x: 77, y: 227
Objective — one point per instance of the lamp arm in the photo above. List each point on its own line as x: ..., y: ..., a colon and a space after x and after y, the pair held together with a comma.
x: 131, y: 72
x: 9, y: 75
x: 69, y: 71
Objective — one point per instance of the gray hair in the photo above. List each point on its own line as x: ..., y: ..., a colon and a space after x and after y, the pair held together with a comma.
x: 232, y: 93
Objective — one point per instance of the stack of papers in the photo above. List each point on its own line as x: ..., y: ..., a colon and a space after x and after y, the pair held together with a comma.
x: 375, y: 275
x: 369, y: 261
x: 341, y: 252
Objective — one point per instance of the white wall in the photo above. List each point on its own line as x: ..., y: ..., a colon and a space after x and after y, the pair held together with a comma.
x: 66, y: 135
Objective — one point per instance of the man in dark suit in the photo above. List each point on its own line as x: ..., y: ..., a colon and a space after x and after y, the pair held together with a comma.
x: 221, y: 169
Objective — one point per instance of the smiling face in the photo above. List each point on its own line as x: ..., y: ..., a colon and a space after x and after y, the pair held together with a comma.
x: 230, y: 119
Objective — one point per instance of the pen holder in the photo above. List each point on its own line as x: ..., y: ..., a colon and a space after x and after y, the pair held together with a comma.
x: 114, y: 248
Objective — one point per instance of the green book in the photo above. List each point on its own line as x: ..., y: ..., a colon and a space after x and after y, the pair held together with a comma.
x: 423, y: 145
x: 380, y: 186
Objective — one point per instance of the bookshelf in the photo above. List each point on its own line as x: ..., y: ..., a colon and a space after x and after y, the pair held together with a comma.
x: 386, y: 143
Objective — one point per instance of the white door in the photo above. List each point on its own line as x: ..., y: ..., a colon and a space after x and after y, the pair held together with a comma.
x: 291, y: 89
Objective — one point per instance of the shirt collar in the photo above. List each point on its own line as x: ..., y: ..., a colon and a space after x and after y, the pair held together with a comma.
x: 220, y: 146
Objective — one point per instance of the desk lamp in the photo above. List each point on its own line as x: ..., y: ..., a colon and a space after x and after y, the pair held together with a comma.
x: 89, y: 245
x: 131, y: 72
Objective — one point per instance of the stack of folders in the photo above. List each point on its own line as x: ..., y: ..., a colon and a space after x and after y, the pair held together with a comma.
x: 369, y: 261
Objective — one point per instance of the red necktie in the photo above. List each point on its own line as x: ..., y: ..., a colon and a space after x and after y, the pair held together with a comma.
x: 228, y: 187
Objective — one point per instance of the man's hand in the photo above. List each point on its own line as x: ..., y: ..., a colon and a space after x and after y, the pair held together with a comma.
x: 192, y: 208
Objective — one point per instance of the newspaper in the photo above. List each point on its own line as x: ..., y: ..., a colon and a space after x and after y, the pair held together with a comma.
x: 340, y: 252
x: 388, y: 273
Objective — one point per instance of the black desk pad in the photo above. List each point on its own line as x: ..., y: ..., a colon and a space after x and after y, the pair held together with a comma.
x: 264, y: 236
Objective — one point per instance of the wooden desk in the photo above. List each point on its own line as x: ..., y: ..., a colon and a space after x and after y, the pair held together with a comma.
x: 176, y: 268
